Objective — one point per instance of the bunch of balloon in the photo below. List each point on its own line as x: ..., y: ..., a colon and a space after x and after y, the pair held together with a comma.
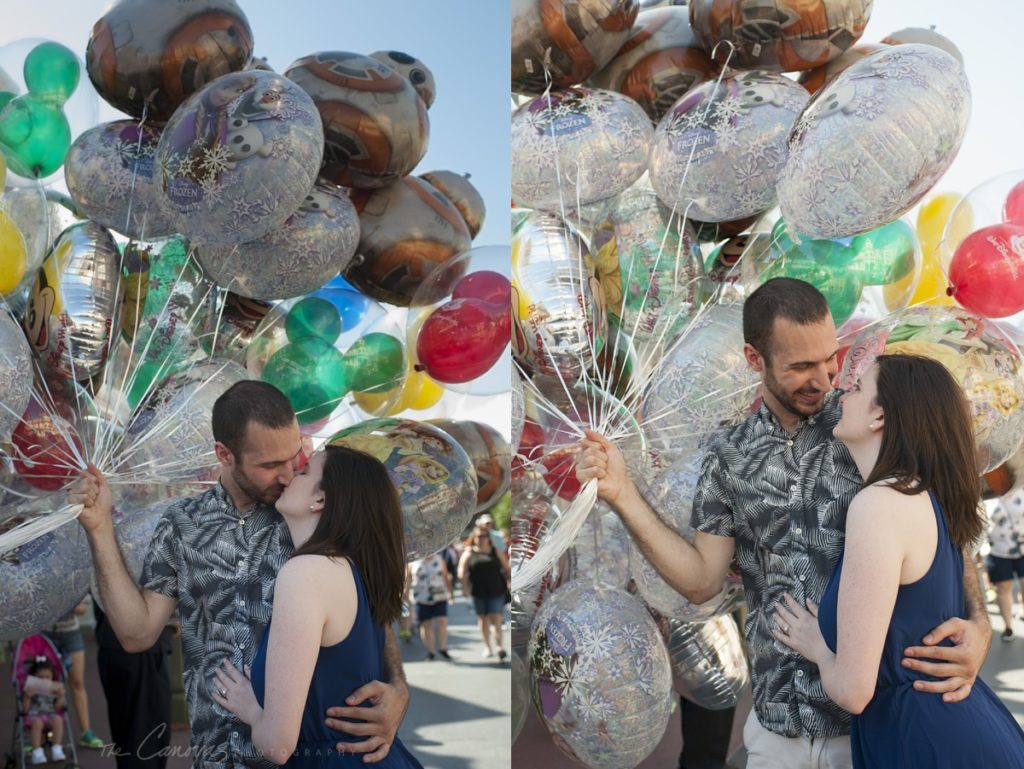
x: 986, y: 266
x: 321, y: 347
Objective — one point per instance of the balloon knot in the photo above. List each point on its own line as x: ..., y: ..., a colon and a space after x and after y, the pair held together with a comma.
x: 951, y: 291
x: 419, y: 367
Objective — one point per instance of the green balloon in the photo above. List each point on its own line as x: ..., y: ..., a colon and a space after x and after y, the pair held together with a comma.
x: 885, y: 255
x: 5, y: 98
x: 52, y: 72
x: 313, y: 316
x: 375, y: 363
x: 34, y: 136
x: 312, y: 374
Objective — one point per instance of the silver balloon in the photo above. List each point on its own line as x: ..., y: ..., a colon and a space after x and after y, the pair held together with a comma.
x: 110, y: 173
x: 375, y: 124
x: 533, y: 516
x: 312, y: 246
x: 561, y: 44
x: 460, y: 191
x: 15, y: 375
x: 434, y: 476
x: 600, y: 552
x: 783, y: 37
x: 660, y: 61
x: 518, y: 410
x: 74, y: 307
x: 559, y: 318
x: 709, y: 666
x: 171, y: 439
x: 575, y: 147
x: 718, y: 153
x: 406, y: 230
x: 520, y: 693
x: 600, y: 675
x: 239, y: 157
x: 660, y: 269
x: 413, y: 70
x: 40, y: 215
x: 874, y: 141
x: 703, y: 384
x: 925, y: 36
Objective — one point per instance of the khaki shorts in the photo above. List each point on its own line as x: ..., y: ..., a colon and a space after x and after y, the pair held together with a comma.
x: 767, y: 750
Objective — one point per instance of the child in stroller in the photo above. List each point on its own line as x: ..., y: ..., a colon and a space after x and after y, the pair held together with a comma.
x: 42, y: 703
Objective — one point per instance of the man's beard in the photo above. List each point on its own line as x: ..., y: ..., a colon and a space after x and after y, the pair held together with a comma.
x: 789, y: 402
x: 266, y: 496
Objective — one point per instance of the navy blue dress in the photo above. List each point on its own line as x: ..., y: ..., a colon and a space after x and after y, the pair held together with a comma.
x: 905, y: 728
x: 340, y: 670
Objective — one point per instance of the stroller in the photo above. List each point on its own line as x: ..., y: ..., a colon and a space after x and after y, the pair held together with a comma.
x: 25, y: 653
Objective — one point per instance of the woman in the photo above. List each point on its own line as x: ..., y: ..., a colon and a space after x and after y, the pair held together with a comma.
x: 332, y: 600
x: 432, y: 592
x: 483, y: 571
x: 67, y: 637
x: 908, y: 428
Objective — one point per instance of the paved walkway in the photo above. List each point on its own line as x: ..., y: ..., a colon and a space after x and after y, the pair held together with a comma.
x: 459, y: 712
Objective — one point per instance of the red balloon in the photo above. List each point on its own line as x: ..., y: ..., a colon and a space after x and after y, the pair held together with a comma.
x: 987, y: 271
x: 1013, y: 208
x: 491, y: 287
x: 462, y: 339
x: 42, y: 455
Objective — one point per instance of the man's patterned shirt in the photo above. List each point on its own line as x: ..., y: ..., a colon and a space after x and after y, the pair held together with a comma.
x: 783, y: 497
x: 220, y: 565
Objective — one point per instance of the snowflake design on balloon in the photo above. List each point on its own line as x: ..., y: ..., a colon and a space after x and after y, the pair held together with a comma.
x: 594, y: 641
x: 563, y: 675
x: 216, y: 160
x: 729, y: 107
x: 727, y: 134
x: 870, y: 105
x: 591, y: 706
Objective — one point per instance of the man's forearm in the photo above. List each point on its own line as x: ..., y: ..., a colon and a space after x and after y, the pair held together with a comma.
x: 974, y: 601
x: 679, y: 563
x: 393, y: 670
x: 122, y: 599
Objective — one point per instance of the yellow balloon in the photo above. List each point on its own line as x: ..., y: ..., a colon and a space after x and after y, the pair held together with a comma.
x: 933, y: 285
x: 13, y: 257
x: 942, y: 223
x: 424, y: 391
x: 378, y: 404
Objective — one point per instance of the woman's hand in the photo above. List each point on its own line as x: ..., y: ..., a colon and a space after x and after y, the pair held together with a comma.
x: 233, y: 692
x: 797, y: 628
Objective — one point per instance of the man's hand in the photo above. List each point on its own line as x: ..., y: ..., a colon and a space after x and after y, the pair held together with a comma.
x: 601, y: 459
x: 957, y: 665
x: 388, y: 703
x: 93, y: 493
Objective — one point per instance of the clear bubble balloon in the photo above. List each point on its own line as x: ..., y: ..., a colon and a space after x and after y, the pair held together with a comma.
x: 719, y: 151
x: 986, y: 363
x: 239, y: 157
x: 600, y: 675
x: 312, y: 246
x: 874, y: 141
x: 576, y: 147
x: 435, y: 478
x: 112, y: 179
x: 15, y: 375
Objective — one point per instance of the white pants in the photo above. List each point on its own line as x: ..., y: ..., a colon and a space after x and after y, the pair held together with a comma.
x: 767, y: 750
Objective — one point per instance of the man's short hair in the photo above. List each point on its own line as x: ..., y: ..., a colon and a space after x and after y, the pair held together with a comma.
x: 245, y: 402
x: 794, y: 300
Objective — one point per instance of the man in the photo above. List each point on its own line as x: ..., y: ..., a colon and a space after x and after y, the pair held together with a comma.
x: 216, y: 557
x: 774, y: 491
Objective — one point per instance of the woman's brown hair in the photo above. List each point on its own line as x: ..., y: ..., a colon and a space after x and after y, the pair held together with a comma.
x: 928, y: 441
x: 362, y: 520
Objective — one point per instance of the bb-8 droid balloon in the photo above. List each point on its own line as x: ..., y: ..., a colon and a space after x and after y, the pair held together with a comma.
x: 375, y: 124
x: 145, y: 58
